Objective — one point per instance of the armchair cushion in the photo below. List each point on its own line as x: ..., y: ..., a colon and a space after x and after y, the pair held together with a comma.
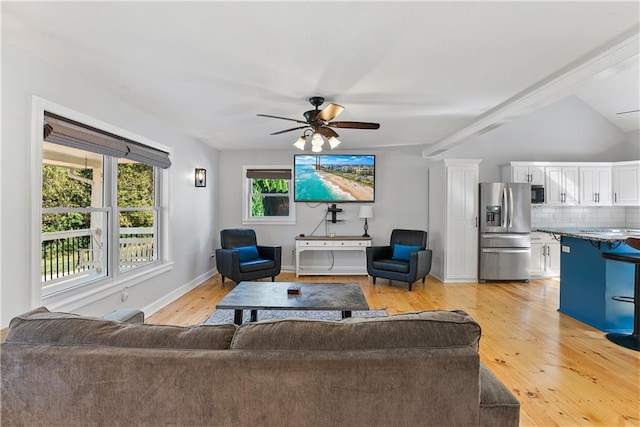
x: 247, y: 253
x: 392, y: 265
x: 256, y: 265
x: 402, y: 252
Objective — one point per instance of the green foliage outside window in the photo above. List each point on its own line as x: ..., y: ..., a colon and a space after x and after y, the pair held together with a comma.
x: 270, y: 197
x: 135, y: 189
x: 61, y: 191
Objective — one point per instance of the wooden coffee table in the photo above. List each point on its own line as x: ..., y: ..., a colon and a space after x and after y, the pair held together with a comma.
x: 255, y: 296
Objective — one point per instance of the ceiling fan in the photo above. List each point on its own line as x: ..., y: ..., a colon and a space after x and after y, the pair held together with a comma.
x: 319, y: 124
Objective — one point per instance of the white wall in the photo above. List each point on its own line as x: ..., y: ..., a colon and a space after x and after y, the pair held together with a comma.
x: 401, y: 200
x: 194, y: 209
x: 568, y: 130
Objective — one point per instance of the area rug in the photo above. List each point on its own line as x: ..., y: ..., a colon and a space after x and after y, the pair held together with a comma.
x: 226, y: 316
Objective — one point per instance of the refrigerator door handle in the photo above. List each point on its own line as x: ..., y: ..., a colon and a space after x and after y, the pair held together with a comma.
x: 503, y: 236
x: 506, y: 251
x: 504, y: 208
x: 510, y: 207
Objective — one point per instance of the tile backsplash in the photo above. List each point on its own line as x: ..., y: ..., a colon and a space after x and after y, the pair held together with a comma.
x: 585, y: 216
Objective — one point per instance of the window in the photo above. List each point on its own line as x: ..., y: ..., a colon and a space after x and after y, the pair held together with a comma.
x: 267, y: 195
x: 100, y: 205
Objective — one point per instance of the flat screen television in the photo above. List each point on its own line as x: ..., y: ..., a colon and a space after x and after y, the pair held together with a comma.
x: 333, y: 178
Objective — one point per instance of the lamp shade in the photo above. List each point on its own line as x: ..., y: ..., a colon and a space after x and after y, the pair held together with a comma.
x: 366, y: 212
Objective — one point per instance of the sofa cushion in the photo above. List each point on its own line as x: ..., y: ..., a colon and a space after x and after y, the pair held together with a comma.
x: 435, y: 328
x: 403, y: 252
x: 43, y: 327
x: 247, y: 253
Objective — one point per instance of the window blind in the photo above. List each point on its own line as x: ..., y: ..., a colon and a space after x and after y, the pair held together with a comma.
x: 269, y: 173
x: 70, y: 133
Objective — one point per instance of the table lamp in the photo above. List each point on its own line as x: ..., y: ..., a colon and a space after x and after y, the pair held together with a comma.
x: 366, y: 212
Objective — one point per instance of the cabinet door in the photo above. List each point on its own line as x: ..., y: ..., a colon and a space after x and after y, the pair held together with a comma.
x: 552, y: 259
x: 520, y: 174
x: 536, y: 174
x: 626, y: 185
x: 603, y: 185
x: 553, y: 187
x: 561, y: 185
x: 462, y: 232
x: 537, y: 258
x: 588, y: 186
x: 570, y: 185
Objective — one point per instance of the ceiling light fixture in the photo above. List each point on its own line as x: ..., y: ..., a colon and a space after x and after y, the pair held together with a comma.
x: 317, y: 141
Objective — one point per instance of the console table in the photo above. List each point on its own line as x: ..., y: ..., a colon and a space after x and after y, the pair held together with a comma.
x: 326, y: 243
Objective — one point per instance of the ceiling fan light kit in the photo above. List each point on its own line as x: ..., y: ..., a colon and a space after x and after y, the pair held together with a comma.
x: 318, y: 125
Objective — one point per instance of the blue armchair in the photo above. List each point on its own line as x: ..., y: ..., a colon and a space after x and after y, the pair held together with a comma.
x: 241, y: 258
x: 405, y: 259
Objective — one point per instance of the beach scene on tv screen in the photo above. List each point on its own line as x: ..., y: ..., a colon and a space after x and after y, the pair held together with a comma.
x: 334, y: 178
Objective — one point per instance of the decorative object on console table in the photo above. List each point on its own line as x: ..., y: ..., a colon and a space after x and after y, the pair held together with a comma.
x: 366, y: 212
x: 201, y: 177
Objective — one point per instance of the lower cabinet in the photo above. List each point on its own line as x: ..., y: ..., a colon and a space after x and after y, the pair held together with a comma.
x: 545, y: 255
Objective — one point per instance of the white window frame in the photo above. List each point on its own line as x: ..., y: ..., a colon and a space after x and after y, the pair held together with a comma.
x: 246, y: 199
x: 117, y: 281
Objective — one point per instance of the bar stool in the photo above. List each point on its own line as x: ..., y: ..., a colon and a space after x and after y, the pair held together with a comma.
x: 629, y: 341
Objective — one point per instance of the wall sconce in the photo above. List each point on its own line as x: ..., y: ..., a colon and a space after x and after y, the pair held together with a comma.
x: 201, y: 177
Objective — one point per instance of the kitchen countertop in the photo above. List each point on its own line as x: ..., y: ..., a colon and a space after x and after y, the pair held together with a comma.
x: 598, y: 234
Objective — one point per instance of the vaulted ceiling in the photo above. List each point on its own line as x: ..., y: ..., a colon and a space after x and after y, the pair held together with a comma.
x: 430, y: 73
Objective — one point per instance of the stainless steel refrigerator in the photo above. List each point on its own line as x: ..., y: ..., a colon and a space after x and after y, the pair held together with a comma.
x: 505, y: 231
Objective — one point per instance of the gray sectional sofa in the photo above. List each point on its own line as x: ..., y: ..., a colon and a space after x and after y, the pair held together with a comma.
x: 412, y: 369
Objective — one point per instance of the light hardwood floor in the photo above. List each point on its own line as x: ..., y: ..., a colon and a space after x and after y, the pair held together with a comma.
x: 564, y: 372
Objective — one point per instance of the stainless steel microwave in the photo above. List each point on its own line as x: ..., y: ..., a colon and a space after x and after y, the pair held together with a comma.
x: 537, y: 194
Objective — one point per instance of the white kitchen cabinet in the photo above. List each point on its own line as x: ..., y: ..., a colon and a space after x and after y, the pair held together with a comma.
x: 595, y: 185
x: 523, y: 172
x: 626, y: 183
x: 453, y: 219
x: 545, y: 256
x: 561, y: 185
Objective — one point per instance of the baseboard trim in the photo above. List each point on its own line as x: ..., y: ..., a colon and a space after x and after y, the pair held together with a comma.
x: 158, y: 304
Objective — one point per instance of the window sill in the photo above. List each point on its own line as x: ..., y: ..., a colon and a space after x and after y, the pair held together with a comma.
x: 72, y: 299
x: 268, y: 222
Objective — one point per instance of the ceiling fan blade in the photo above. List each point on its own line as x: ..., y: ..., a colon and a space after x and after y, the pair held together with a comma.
x: 289, y: 130
x: 330, y: 112
x: 354, y: 125
x: 327, y: 132
x: 630, y: 111
x: 278, y: 117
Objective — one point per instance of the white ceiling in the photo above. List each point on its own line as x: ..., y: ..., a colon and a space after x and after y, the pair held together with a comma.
x: 423, y: 70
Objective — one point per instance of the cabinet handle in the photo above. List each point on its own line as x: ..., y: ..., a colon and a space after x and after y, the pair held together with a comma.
x: 615, y: 197
x: 598, y: 197
x: 476, y: 219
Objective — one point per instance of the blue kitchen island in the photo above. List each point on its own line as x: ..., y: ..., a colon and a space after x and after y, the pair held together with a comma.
x: 588, y: 281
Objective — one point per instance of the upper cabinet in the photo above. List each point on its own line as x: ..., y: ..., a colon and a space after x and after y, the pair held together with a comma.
x: 523, y: 172
x: 595, y: 185
x: 583, y: 183
x: 626, y: 183
x: 561, y: 185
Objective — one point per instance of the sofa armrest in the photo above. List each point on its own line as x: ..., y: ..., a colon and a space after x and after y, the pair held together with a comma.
x: 127, y: 315
x: 498, y: 406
